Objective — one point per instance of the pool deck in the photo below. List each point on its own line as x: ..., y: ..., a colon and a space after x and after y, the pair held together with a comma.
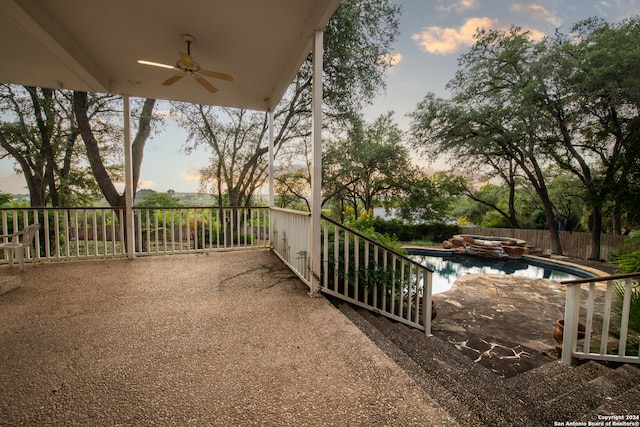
x: 505, y: 322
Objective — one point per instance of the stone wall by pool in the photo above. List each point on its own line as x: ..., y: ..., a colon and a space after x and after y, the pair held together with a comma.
x: 487, y: 247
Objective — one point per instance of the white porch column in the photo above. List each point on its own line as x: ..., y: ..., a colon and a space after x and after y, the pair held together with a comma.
x: 128, y: 174
x: 316, y: 163
x: 271, y: 158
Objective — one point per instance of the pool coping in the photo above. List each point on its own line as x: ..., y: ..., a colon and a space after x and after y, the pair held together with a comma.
x: 569, y: 267
x: 544, y: 261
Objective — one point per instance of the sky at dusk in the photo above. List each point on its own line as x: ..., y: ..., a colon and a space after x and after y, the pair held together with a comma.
x: 433, y: 34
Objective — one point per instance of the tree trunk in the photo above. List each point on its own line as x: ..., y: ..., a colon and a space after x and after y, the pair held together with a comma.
x: 139, y: 141
x: 42, y: 108
x: 513, y: 220
x: 556, y: 246
x: 109, y: 191
x: 596, y: 231
x: 617, y: 219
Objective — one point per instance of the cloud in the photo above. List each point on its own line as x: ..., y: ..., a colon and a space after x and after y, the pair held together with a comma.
x: 190, y: 175
x: 444, y: 40
x: 617, y: 10
x: 448, y: 40
x: 392, y: 60
x: 537, y: 11
x: 456, y: 6
x: 146, y: 183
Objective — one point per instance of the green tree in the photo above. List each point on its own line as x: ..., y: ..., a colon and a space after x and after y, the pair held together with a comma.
x: 5, y: 199
x: 237, y: 140
x: 490, y: 122
x: 159, y: 200
x: 370, y: 166
x: 570, y: 101
x: 291, y: 188
x: 494, y: 198
x: 569, y: 199
x: 426, y: 199
x: 97, y: 128
x: 40, y: 133
x: 591, y: 97
x: 357, y: 41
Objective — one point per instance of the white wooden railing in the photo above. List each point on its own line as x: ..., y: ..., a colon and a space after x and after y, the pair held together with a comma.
x: 602, y: 307
x: 355, y: 268
x: 290, y: 240
x: 358, y: 270
x: 71, y: 233
x: 199, y: 229
x: 82, y: 233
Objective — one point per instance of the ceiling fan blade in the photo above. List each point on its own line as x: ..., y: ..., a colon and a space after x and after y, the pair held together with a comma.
x: 216, y: 75
x: 208, y: 86
x: 172, y: 80
x: 156, y: 64
x: 186, y: 59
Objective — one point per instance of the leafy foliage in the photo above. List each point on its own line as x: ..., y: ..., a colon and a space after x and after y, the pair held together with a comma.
x: 5, y: 199
x: 39, y: 132
x: 633, y: 326
x: 159, y: 200
x: 436, y: 232
x: 370, y: 166
x: 358, y: 43
x: 364, y: 225
x: 521, y: 105
x: 628, y: 261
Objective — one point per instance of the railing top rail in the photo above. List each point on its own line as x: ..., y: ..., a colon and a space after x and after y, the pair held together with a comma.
x: 60, y: 208
x: 599, y: 279
x: 31, y: 208
x: 403, y: 256
x: 200, y: 207
x: 291, y: 211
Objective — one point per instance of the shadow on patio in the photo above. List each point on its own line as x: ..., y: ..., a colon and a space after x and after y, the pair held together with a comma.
x: 220, y: 339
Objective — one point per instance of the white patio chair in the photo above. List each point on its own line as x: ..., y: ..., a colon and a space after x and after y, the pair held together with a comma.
x: 20, y: 243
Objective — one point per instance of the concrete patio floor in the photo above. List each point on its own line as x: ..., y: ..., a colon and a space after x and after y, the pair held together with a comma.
x: 220, y: 339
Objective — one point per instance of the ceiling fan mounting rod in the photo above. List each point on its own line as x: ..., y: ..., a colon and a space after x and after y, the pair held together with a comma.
x: 189, y: 39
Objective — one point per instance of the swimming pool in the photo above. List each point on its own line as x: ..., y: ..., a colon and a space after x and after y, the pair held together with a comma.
x: 447, y: 268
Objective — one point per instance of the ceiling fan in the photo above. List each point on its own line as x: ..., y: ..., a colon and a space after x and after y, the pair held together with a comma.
x: 186, y: 65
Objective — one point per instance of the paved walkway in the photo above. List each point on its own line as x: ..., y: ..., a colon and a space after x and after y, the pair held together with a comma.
x: 229, y: 339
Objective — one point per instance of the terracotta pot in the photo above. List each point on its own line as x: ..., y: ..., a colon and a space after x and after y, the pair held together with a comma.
x: 558, y: 332
x: 434, y: 312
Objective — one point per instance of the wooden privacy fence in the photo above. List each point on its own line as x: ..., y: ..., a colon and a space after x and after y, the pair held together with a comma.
x: 574, y: 243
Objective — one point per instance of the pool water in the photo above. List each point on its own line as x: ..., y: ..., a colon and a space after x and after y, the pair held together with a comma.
x: 448, y: 269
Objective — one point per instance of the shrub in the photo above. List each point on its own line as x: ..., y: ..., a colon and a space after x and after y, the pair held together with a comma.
x: 628, y: 261
x: 433, y: 231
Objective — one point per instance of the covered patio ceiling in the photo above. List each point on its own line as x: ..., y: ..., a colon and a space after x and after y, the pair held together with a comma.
x: 94, y: 46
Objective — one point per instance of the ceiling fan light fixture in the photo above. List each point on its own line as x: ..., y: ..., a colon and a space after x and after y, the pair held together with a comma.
x: 155, y: 64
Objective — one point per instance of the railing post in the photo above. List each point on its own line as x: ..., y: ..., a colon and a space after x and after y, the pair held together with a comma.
x: 427, y: 290
x: 570, y: 333
x: 314, y: 242
x: 624, y: 317
x: 128, y: 171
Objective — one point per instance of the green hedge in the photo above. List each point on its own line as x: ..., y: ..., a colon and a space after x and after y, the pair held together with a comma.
x: 434, y: 231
